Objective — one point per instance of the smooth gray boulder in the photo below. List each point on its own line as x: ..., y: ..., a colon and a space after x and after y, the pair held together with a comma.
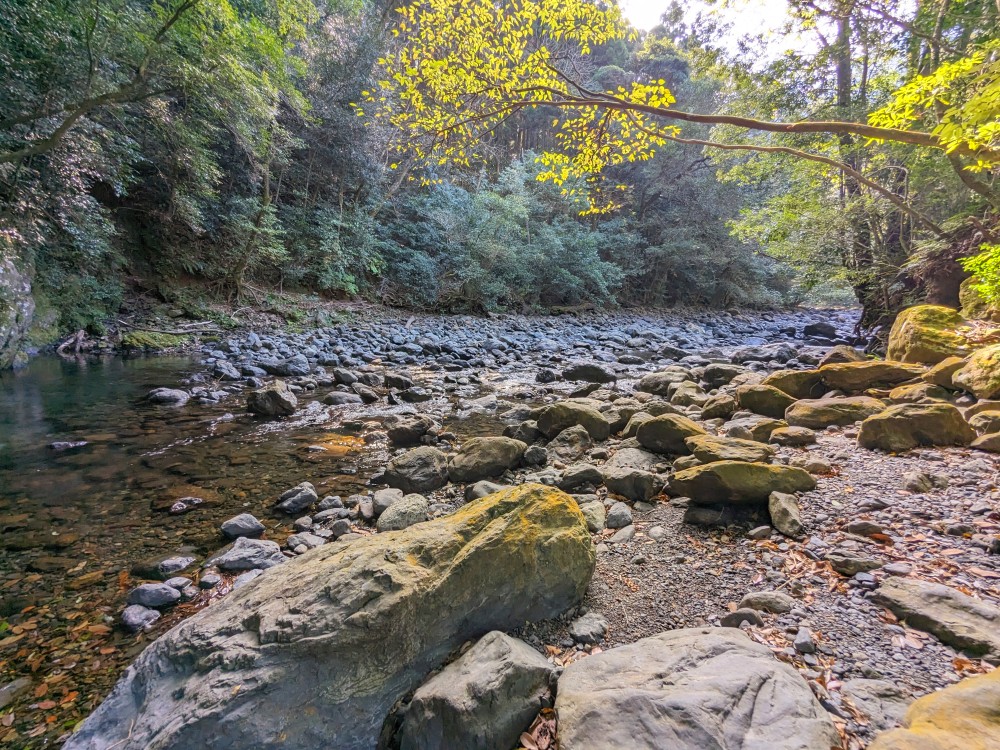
x: 274, y: 400
x: 405, y: 512
x: 957, y: 619
x: 154, y: 595
x: 244, y: 524
x: 634, y: 484
x: 297, y: 499
x: 423, y: 469
x: 247, y: 554
x: 316, y: 652
x: 481, y: 701
x: 689, y: 689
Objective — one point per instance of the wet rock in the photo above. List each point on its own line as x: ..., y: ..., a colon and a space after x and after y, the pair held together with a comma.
x: 958, y: 620
x: 244, y: 524
x: 13, y: 690
x: 483, y: 700
x: 818, y: 414
x: 274, y: 400
x: 247, y: 554
x: 709, y: 448
x: 589, y: 628
x: 556, y: 418
x: 169, y: 396
x: 154, y: 595
x: 667, y: 434
x: 905, y: 426
x: 409, y: 429
x: 297, y: 499
x: 382, y: 611
x: 184, y: 505
x: 738, y: 482
x: 723, y: 688
x: 410, y: 509
x: 136, y: 617
x: 338, y: 398
x: 65, y: 445
x: 162, y: 567
x: 962, y: 716
x: 419, y: 470
x: 483, y: 458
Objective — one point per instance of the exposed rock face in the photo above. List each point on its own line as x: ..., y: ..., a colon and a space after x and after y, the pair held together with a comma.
x: 689, y: 690
x: 481, y: 701
x: 483, y: 458
x: 17, y: 307
x: 558, y: 417
x: 927, y: 334
x: 860, y: 376
x: 824, y: 412
x: 274, y: 400
x: 316, y: 652
x: 981, y: 373
x: 960, y: 716
x: 906, y: 426
x: 738, y: 482
x: 955, y: 618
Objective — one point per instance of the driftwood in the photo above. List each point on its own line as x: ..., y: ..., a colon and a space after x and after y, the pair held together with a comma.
x: 76, y: 340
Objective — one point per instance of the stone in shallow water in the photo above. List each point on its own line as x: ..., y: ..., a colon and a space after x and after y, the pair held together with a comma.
x: 247, y: 554
x: 136, y: 617
x: 244, y: 524
x: 723, y: 691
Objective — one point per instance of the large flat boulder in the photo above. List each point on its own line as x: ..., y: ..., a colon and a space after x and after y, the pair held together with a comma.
x: 766, y: 400
x: 482, y: 700
x: 957, y: 619
x: 927, y: 334
x: 796, y: 383
x: 689, y: 689
x: 962, y: 716
x: 315, y: 652
x: 658, y: 383
x: 905, y: 426
x: 709, y: 448
x: 738, y: 482
x: 824, y: 412
x: 422, y: 469
x: 854, y: 377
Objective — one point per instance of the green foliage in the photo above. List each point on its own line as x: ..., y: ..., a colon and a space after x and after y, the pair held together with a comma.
x: 985, y: 265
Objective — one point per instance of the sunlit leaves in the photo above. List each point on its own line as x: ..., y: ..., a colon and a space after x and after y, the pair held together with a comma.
x: 462, y: 69
x: 961, y: 98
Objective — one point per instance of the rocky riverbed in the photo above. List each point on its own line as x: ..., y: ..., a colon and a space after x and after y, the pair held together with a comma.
x: 821, y: 551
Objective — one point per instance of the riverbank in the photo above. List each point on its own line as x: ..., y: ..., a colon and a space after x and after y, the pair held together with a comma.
x: 473, y: 377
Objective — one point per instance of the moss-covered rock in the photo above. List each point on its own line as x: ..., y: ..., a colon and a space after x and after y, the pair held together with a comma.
x: 941, y: 374
x: 855, y: 377
x: 150, y: 341
x: 667, y: 433
x: 981, y: 373
x: 709, y: 448
x: 797, y: 383
x: 317, y: 651
x: 963, y: 716
x: 927, y: 334
x: 974, y: 305
x: 738, y: 482
x: 766, y: 400
x: 485, y: 457
x: 819, y: 413
x: 914, y: 393
x: 17, y: 308
x: 906, y: 426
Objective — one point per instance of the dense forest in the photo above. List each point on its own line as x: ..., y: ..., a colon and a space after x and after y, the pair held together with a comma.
x: 198, y: 150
